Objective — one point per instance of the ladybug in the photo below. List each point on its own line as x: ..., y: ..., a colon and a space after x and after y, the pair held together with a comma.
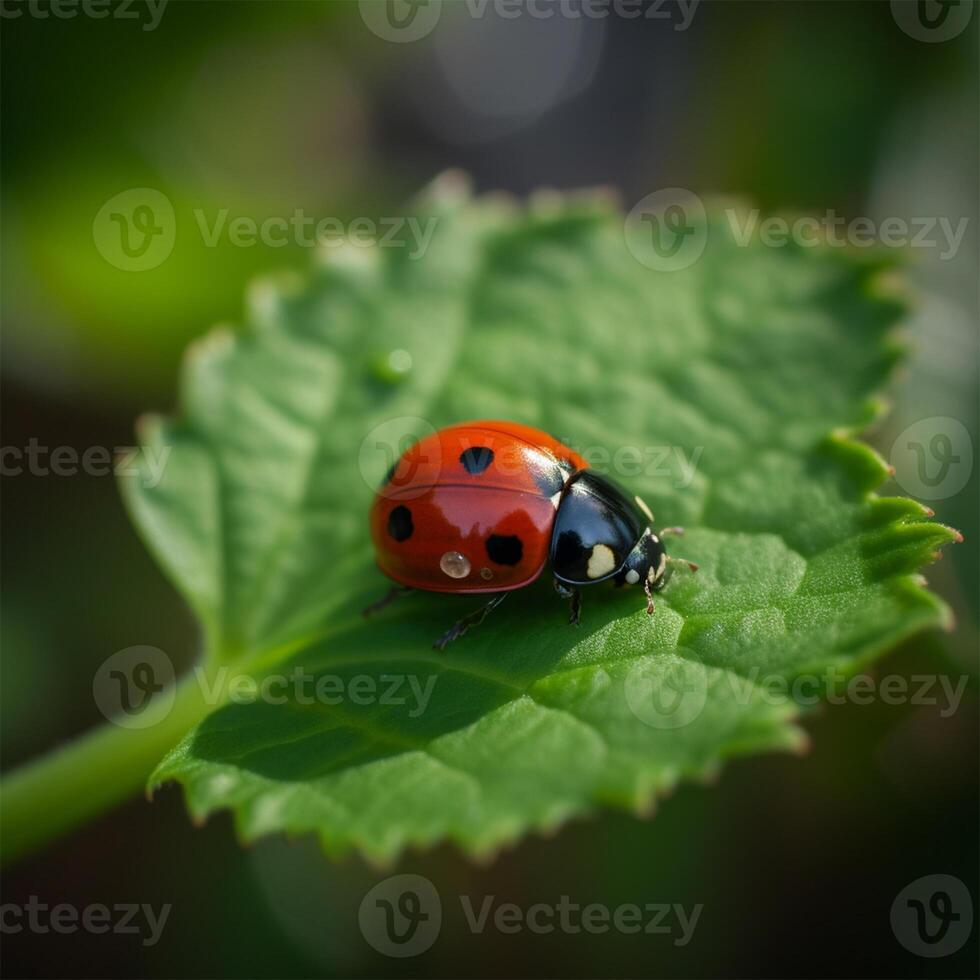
x: 484, y: 507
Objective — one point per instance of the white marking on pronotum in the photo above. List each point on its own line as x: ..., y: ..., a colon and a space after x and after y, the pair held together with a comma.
x: 643, y: 506
x: 601, y: 561
x: 632, y: 576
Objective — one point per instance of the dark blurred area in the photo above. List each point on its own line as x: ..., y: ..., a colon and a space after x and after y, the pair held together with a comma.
x: 264, y: 107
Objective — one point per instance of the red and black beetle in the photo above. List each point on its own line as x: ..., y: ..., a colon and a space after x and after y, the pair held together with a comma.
x: 484, y: 507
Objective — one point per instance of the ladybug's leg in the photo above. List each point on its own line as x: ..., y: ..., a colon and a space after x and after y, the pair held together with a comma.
x: 575, y: 608
x: 393, y: 593
x: 666, y: 532
x: 474, y: 619
x: 649, y: 593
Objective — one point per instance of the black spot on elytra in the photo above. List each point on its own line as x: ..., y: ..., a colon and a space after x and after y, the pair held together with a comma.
x: 400, y: 525
x: 476, y: 459
x: 505, y: 549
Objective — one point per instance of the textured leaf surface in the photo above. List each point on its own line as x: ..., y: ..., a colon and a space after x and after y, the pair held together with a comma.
x: 723, y: 393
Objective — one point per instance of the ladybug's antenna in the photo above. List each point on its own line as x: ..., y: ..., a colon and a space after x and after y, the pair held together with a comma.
x: 676, y: 532
x: 649, y: 592
x: 693, y: 566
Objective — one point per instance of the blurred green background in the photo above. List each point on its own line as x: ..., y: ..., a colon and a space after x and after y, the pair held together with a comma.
x: 264, y: 107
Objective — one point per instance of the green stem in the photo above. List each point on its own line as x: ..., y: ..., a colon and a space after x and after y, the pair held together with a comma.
x: 45, y: 799
x: 48, y: 797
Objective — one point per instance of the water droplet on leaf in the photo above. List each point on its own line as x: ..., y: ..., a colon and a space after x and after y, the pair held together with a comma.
x: 392, y: 367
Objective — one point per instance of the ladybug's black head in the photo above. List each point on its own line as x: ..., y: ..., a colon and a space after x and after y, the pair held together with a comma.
x: 646, y: 564
x: 600, y: 533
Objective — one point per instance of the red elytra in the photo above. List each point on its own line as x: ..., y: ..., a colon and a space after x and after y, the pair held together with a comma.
x: 487, y: 491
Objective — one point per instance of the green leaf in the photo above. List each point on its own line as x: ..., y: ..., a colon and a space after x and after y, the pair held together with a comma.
x: 724, y: 393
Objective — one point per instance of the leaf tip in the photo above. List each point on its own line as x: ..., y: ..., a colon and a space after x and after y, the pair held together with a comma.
x: 266, y: 297
x: 801, y: 744
x: 886, y: 284
x: 148, y: 427
x: 451, y: 187
x: 206, y: 351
